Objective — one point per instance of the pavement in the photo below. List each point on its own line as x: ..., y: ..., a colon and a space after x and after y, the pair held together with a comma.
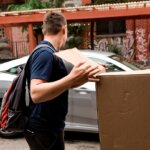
x: 20, y: 144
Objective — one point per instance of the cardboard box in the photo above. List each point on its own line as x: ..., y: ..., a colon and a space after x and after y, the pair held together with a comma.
x: 71, y: 55
x: 123, y: 102
x: 74, y: 56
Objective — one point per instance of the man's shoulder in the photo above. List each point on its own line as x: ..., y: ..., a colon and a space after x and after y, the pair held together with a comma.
x: 42, y: 51
x: 43, y: 48
x: 46, y: 44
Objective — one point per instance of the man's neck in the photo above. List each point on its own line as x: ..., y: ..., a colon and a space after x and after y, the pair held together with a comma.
x: 53, y: 40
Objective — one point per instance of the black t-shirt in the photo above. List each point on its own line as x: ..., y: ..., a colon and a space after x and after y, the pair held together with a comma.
x: 51, y: 114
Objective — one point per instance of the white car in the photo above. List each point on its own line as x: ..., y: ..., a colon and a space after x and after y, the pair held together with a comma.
x: 82, y: 113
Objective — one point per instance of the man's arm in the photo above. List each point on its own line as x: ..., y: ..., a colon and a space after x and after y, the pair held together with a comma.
x: 42, y: 91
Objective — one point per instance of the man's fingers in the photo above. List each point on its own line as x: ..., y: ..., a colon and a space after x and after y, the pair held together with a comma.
x: 80, y: 64
x: 89, y: 70
x: 95, y: 70
x: 83, y: 67
x: 93, y: 79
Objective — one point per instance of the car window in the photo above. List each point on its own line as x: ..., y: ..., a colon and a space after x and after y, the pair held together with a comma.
x: 13, y: 70
x: 130, y: 64
x: 109, y: 66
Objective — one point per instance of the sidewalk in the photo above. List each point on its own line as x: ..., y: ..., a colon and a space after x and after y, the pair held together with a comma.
x: 20, y: 144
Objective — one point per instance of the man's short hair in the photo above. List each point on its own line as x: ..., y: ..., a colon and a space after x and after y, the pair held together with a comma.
x: 53, y: 23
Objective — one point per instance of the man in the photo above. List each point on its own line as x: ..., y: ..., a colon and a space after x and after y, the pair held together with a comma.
x: 49, y: 83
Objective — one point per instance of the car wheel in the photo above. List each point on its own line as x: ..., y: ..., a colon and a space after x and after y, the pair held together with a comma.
x: 10, y: 134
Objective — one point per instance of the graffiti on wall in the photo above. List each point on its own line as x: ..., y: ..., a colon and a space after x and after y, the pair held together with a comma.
x: 103, y: 44
x: 141, y: 45
x: 128, y: 45
x: 122, y: 44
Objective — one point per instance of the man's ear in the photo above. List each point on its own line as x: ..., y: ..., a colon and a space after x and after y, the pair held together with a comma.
x: 64, y: 29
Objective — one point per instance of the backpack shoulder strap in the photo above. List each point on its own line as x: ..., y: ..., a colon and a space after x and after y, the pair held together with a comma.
x: 36, y: 48
x: 40, y: 46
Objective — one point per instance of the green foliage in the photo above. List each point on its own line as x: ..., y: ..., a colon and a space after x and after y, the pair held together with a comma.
x: 29, y: 5
x: 114, y: 48
x: 35, y: 4
x: 58, y: 3
x: 74, y: 41
x: 75, y: 29
x: 75, y: 38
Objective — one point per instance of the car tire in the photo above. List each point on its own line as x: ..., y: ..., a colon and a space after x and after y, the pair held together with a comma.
x: 10, y: 134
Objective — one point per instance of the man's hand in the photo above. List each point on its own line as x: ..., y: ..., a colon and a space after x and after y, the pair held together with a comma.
x: 84, y: 72
x: 95, y: 77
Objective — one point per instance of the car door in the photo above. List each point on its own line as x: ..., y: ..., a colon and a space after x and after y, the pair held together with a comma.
x: 82, y: 111
x: 6, y: 77
x: 5, y: 81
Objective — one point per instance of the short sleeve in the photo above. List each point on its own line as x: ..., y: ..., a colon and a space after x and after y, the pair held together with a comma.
x: 42, y: 65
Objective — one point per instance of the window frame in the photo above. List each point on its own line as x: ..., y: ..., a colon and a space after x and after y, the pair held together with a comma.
x: 109, y: 26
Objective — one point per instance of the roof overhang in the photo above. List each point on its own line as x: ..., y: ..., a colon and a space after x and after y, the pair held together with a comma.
x: 80, y: 14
